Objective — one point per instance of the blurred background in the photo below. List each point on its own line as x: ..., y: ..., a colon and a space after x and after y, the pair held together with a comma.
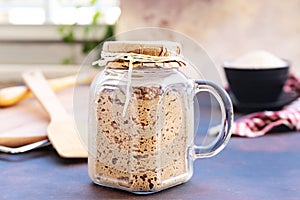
x: 56, y: 35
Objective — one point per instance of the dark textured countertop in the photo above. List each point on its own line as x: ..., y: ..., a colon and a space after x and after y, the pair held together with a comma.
x: 262, y: 168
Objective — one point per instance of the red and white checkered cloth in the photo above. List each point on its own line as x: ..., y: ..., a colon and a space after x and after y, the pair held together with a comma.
x: 258, y: 124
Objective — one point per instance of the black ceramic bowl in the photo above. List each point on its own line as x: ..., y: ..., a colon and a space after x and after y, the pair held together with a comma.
x: 256, y: 85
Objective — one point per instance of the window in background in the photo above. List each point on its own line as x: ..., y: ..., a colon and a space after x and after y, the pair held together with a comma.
x: 65, y: 30
x: 58, y: 12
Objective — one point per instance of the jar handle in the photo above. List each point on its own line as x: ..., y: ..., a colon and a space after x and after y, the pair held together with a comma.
x: 227, y: 120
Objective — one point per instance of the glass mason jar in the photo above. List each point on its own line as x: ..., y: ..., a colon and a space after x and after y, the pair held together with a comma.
x: 141, y: 118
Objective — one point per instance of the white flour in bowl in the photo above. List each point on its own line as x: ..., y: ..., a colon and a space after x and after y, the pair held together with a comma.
x: 257, y: 60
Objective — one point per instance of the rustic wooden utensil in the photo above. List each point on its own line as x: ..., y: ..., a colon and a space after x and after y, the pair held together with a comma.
x: 13, y: 95
x: 62, y: 128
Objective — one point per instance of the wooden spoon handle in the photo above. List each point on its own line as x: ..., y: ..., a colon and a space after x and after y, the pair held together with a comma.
x: 38, y: 85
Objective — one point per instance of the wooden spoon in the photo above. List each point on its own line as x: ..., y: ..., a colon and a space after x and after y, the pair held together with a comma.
x: 62, y: 128
x: 13, y: 95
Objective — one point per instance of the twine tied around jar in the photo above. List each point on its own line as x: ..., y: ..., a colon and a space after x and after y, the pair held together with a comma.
x: 135, y: 60
x: 141, y: 59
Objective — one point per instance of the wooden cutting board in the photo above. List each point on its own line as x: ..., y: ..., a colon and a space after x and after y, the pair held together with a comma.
x: 27, y: 121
